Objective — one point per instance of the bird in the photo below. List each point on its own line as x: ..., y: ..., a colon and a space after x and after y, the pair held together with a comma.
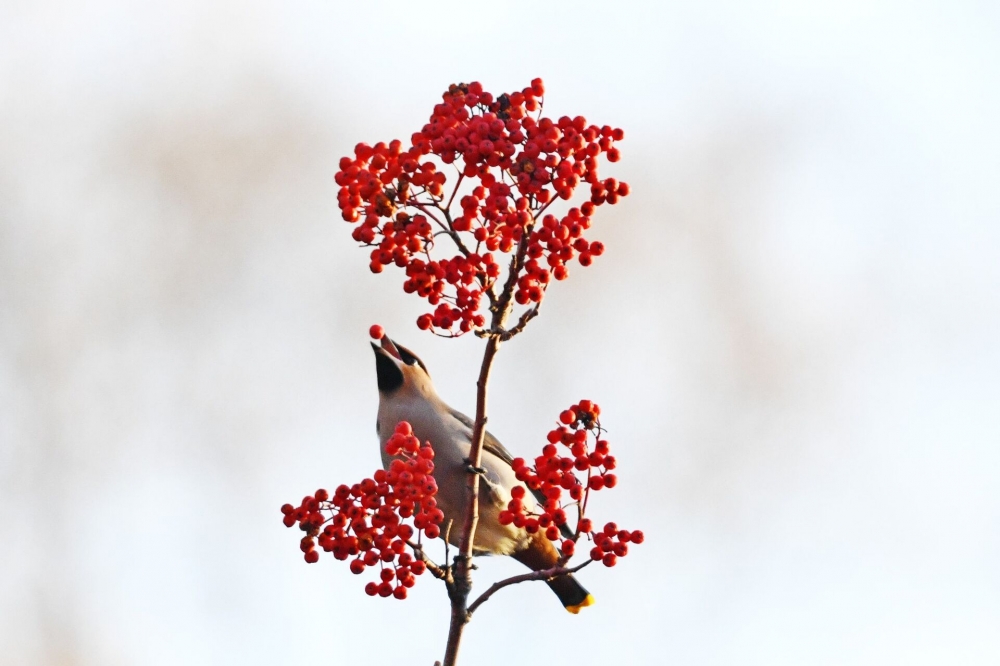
x: 406, y: 393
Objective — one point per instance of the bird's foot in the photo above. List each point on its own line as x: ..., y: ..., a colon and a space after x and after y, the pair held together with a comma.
x: 472, y: 469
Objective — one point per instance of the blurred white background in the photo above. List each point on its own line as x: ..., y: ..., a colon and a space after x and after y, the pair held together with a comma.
x: 793, y: 334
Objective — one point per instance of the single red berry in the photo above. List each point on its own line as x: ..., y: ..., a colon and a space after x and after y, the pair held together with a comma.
x: 609, y: 560
x: 399, y: 592
x: 357, y: 567
x: 517, y: 492
x: 377, y: 332
x: 287, y: 509
x: 312, y: 557
x: 586, y: 525
x: 371, y: 589
x: 596, y: 554
x: 637, y: 536
x: 611, y: 529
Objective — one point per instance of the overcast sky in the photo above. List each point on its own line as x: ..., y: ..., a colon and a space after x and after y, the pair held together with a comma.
x: 792, y: 333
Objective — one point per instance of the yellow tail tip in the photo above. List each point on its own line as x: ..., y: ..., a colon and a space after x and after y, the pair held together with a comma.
x: 589, y: 601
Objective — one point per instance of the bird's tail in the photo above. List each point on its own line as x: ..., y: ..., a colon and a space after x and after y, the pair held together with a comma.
x: 572, y: 595
x: 541, y: 554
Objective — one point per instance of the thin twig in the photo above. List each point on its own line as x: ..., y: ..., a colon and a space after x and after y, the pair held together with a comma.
x: 544, y: 574
x: 436, y: 569
x: 507, y: 334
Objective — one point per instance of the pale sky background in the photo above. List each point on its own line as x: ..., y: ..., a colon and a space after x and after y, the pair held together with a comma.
x: 793, y: 332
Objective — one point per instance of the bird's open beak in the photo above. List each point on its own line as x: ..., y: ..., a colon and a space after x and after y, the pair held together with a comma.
x: 388, y: 348
x: 388, y: 345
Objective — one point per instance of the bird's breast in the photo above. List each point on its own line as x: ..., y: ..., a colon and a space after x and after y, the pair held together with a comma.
x: 451, y: 441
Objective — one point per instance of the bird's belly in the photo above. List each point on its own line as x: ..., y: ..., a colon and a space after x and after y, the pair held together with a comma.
x: 491, y: 537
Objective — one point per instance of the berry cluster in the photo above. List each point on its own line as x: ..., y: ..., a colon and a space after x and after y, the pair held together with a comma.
x: 517, y: 163
x: 365, y: 521
x: 612, y: 543
x: 577, y: 474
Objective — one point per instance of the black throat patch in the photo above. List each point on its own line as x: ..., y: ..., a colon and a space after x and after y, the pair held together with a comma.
x: 390, y: 377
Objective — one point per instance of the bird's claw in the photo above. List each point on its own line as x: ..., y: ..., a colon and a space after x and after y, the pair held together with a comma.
x: 472, y: 469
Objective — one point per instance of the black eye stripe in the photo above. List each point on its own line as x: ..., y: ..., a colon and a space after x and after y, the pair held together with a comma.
x: 409, y: 358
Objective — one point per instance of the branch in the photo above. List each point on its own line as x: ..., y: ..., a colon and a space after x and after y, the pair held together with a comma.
x: 459, y: 590
x: 544, y: 574
x: 437, y: 570
x: 507, y: 334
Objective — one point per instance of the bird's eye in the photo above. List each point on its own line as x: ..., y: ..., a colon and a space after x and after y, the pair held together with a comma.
x: 408, y: 358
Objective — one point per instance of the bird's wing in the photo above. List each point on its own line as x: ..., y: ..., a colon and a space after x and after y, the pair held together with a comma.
x: 493, y: 445
x: 490, y: 443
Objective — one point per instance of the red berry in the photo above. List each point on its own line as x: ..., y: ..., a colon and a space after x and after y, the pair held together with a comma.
x: 609, y: 560
x: 312, y: 557
x: 399, y: 592
x: 637, y: 536
x: 376, y: 332
x: 371, y: 589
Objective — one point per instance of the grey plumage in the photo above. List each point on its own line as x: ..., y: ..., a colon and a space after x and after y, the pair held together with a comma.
x: 406, y: 393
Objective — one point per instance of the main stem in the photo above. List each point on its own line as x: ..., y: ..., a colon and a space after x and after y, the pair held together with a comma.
x: 461, y: 583
x: 462, y: 578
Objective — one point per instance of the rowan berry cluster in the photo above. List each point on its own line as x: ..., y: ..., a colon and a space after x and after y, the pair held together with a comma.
x: 365, y: 522
x: 516, y: 162
x: 583, y: 470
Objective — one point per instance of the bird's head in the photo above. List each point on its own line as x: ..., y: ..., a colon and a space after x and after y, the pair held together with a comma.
x: 400, y: 371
